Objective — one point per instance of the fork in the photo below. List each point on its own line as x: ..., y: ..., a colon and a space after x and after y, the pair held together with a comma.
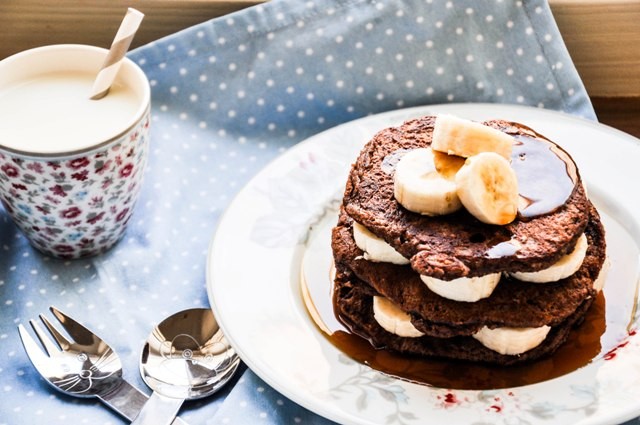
x: 84, y: 366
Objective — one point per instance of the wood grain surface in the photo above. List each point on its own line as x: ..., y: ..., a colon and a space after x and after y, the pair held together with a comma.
x: 622, y: 113
x: 603, y: 39
x: 31, y: 23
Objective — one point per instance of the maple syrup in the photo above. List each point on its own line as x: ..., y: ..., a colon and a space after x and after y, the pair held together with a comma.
x: 581, y: 347
x: 546, y: 175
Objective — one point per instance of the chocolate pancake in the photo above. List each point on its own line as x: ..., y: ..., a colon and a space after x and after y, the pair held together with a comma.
x: 512, y: 304
x: 457, y: 245
x: 354, y: 307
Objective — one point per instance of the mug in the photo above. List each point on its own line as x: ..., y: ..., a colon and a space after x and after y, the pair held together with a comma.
x: 71, y: 168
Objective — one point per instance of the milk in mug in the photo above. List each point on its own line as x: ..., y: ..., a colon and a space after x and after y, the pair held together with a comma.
x: 52, y: 112
x: 45, y: 105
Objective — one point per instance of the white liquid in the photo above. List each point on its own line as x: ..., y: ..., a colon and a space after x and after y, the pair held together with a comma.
x: 53, y: 113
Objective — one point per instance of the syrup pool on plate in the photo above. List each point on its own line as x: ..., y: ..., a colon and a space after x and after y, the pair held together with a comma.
x: 582, y: 346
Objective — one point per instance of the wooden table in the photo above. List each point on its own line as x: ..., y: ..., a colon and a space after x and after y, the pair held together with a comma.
x: 602, y: 36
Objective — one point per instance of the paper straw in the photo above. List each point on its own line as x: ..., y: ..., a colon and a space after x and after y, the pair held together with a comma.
x: 118, y: 50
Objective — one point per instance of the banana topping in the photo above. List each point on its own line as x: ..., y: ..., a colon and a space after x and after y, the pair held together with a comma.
x: 392, y: 319
x: 467, y: 289
x: 376, y: 249
x: 488, y: 188
x: 511, y: 341
x: 565, y: 267
x: 438, y: 180
x: 420, y: 188
x: 457, y: 136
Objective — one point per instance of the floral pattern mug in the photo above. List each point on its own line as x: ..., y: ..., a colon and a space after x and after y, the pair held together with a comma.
x: 77, y: 204
x: 76, y: 207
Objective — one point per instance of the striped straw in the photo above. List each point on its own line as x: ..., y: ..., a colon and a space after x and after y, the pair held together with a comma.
x: 118, y: 50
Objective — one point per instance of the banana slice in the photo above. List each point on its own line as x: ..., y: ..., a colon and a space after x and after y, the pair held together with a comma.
x: 511, y: 341
x: 488, y: 188
x: 467, y: 289
x: 420, y: 188
x: 376, y: 249
x: 565, y: 267
x: 457, y: 136
x: 392, y: 319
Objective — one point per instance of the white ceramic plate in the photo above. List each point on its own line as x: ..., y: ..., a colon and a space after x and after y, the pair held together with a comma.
x: 253, y: 280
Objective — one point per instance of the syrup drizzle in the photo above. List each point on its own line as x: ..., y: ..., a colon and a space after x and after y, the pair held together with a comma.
x: 390, y: 161
x: 546, y: 175
x: 503, y: 249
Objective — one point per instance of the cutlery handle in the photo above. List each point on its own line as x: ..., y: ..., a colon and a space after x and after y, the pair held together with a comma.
x: 128, y: 401
x: 159, y: 410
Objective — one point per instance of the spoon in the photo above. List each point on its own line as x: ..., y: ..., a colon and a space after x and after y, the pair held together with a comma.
x: 185, y: 357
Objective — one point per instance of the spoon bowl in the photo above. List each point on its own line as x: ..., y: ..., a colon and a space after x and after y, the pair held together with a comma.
x: 186, y: 356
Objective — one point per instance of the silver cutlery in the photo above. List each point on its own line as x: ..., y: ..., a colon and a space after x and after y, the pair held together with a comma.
x: 185, y: 357
x: 83, y: 366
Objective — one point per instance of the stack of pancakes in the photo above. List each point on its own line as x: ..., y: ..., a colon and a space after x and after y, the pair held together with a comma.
x: 452, y: 246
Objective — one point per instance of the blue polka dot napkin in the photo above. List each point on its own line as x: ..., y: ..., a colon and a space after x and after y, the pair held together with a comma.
x: 228, y: 96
